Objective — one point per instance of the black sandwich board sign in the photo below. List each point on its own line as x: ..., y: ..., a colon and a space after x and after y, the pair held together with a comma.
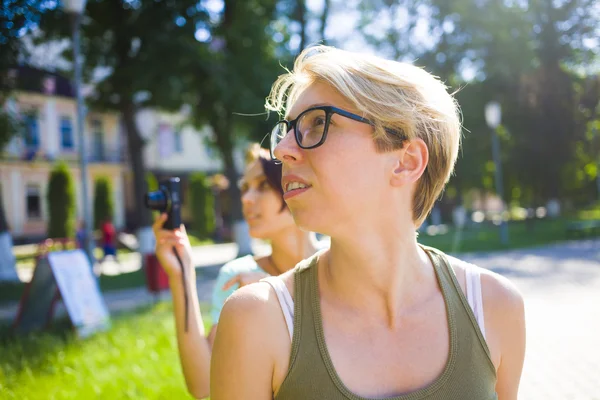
x: 67, y: 275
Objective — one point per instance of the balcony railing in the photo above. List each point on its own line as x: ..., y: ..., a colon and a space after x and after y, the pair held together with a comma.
x: 106, y: 154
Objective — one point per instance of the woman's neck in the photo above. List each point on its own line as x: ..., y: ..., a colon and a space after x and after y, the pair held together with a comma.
x: 380, y: 272
x: 290, y: 247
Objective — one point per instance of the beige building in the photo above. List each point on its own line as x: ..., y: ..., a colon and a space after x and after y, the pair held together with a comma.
x: 47, y: 107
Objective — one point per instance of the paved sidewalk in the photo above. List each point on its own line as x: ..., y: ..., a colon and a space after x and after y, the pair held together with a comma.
x: 206, y: 255
x: 561, y: 286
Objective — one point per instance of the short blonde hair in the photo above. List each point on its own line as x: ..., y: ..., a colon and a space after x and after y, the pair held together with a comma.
x: 396, y: 97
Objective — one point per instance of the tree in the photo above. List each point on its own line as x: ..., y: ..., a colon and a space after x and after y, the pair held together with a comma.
x: 202, y: 205
x: 531, y: 57
x: 301, y: 18
x: 528, y: 59
x: 235, y: 69
x: 142, y: 46
x: 551, y: 107
x: 103, y: 201
x: 61, y: 202
x: 324, y: 20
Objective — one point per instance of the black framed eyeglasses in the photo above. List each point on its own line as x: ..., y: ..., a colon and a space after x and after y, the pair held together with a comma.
x: 311, y: 126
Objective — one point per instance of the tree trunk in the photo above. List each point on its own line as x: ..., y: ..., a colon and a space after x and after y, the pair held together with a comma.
x: 222, y: 124
x: 301, y: 15
x: 3, y: 223
x: 135, y: 143
x: 324, y: 17
x: 237, y: 222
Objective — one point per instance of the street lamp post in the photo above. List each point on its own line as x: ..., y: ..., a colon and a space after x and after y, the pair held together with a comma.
x: 493, y: 115
x: 76, y: 8
x: 597, y: 147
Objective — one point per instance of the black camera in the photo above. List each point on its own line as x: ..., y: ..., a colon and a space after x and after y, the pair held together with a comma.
x: 167, y: 199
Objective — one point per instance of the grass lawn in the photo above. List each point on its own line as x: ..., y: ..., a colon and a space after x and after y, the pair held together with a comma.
x: 486, y: 237
x: 136, y: 359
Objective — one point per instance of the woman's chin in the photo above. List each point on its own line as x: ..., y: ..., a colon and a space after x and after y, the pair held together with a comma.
x: 257, y: 233
x: 306, y: 221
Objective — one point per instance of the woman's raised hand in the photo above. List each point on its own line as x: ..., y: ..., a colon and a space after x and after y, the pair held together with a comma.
x: 166, y: 241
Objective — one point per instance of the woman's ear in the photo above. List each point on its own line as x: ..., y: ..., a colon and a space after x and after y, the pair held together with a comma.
x: 411, y: 162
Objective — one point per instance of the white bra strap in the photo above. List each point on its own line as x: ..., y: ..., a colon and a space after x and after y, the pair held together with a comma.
x: 474, y: 297
x: 285, y: 301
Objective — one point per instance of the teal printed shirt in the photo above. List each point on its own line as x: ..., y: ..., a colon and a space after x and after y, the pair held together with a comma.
x: 233, y: 268
x: 228, y: 271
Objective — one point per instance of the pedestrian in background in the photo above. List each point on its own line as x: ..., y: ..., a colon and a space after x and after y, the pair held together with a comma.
x: 109, y: 240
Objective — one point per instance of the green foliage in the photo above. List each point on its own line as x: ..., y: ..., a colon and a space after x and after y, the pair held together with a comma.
x: 61, y: 202
x: 202, y: 206
x: 18, y: 18
x: 529, y: 56
x: 103, y: 201
x: 137, y: 359
x: 145, y: 46
x: 485, y: 236
x: 233, y: 71
x: 151, y: 182
x: 134, y: 41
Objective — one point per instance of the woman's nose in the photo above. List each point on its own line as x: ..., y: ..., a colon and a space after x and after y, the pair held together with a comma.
x: 287, y: 149
x: 247, y: 197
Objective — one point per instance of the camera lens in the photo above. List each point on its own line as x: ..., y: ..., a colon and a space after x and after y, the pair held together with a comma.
x: 156, y: 200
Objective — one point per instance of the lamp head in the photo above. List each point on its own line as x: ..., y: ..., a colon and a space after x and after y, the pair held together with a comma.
x: 74, y: 6
x: 493, y: 114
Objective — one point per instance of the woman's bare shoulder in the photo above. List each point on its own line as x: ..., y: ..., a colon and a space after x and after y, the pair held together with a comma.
x: 251, y: 342
x: 497, y: 290
x: 254, y: 309
x: 503, y: 303
x: 251, y: 301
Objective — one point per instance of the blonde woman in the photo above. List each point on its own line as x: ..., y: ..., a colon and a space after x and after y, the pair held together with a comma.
x: 367, y: 146
x: 268, y: 218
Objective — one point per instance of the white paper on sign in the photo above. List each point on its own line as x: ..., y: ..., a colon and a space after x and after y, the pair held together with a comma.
x: 79, y: 290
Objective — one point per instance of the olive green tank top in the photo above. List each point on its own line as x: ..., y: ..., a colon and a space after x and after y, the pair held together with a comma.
x: 469, y: 372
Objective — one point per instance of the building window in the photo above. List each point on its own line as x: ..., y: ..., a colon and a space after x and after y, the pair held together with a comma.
x: 32, y: 132
x: 66, y: 133
x: 97, y: 140
x: 33, y: 202
x: 178, y: 142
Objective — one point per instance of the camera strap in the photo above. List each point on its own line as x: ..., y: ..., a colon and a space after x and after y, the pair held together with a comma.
x: 185, y: 288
